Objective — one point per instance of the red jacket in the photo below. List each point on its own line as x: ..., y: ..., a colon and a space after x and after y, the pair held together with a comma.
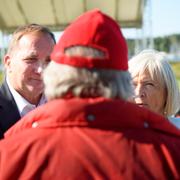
x: 90, y: 139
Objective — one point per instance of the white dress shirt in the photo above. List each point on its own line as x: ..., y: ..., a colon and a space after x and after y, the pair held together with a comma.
x: 23, y: 105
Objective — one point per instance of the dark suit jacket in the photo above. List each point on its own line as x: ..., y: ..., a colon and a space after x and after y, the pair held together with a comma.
x: 9, y: 113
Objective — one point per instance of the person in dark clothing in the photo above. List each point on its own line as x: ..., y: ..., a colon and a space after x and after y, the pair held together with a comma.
x: 28, y: 54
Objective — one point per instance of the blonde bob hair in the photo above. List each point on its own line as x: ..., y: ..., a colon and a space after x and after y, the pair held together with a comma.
x: 156, y: 64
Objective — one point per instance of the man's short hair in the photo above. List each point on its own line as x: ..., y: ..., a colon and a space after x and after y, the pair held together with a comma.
x: 27, y: 29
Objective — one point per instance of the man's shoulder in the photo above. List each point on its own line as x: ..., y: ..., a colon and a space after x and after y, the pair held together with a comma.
x: 4, y: 87
x: 5, y: 94
x: 8, y: 109
x: 3, y: 91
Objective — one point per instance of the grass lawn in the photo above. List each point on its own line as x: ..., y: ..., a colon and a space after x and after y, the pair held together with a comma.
x: 176, y: 69
x: 1, y: 77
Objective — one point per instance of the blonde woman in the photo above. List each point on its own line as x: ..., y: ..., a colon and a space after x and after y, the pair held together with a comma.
x: 154, y: 82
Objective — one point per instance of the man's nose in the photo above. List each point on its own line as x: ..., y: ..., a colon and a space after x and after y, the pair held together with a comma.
x: 39, y: 67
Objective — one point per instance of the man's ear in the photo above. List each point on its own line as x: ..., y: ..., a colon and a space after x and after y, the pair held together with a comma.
x: 7, y: 61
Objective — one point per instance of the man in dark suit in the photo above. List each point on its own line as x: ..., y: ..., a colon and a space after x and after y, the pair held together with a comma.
x: 22, y: 90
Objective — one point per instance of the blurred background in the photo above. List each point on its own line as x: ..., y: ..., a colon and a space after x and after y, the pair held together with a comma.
x: 145, y: 23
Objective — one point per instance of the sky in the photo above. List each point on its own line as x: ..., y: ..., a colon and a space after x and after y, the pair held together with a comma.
x: 165, y: 18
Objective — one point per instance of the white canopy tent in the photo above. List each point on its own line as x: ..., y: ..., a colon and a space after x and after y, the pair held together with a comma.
x: 57, y: 14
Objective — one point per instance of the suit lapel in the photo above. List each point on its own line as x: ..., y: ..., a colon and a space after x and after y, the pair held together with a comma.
x: 9, y: 113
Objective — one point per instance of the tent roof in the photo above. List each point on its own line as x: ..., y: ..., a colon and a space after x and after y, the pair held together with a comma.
x: 57, y: 14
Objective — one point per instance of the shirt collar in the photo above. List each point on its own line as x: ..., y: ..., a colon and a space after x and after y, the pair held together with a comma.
x: 22, y: 102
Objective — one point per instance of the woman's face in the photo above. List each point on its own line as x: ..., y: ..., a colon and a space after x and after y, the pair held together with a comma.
x: 149, y: 93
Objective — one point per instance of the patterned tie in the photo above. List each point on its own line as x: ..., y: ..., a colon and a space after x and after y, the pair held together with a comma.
x: 27, y: 109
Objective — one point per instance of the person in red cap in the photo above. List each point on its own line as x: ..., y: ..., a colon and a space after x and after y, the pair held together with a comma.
x: 88, y: 130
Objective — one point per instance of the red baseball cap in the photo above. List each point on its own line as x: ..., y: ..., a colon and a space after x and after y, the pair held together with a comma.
x: 97, y: 30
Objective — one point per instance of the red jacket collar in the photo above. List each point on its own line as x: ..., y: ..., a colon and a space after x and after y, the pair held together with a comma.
x: 96, y: 113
